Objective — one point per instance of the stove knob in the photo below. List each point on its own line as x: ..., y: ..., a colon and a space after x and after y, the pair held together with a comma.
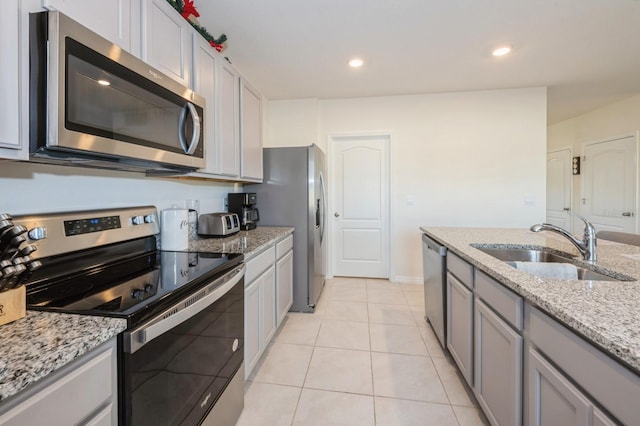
x: 149, y: 218
x: 137, y: 220
x: 38, y: 233
x: 148, y: 288
x: 136, y: 293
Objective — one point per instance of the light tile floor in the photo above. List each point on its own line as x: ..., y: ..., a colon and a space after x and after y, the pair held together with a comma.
x: 365, y: 357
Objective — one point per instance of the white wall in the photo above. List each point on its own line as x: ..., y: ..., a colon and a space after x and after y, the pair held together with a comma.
x: 615, y: 120
x: 292, y: 123
x: 37, y: 188
x: 467, y: 159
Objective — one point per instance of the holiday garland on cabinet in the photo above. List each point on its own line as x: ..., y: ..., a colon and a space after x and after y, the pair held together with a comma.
x: 188, y: 10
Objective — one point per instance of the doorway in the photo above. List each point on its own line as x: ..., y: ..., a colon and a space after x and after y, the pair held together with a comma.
x: 559, y: 200
x: 360, y: 182
x: 609, y: 184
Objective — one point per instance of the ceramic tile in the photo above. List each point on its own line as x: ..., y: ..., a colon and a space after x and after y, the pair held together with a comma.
x: 452, y: 382
x: 414, y: 298
x: 412, y: 287
x: 431, y: 342
x: 373, y: 283
x: 283, y: 364
x: 418, y: 315
x: 346, y: 311
x: 344, y: 334
x: 347, y: 294
x: 390, y: 314
x: 406, y: 377
x: 468, y: 416
x: 394, y: 412
x: 400, y: 339
x: 268, y: 404
x: 322, y: 408
x: 386, y: 296
x: 340, y: 370
x: 347, y: 282
x: 300, y: 329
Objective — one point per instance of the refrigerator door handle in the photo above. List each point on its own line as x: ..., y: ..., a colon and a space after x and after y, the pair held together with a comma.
x: 322, y: 205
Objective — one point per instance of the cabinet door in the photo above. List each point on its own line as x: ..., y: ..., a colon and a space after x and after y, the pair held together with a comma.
x: 10, y: 69
x: 284, y: 290
x: 498, y: 367
x: 111, y: 20
x: 553, y: 400
x: 252, y: 330
x: 250, y: 132
x: 268, y: 306
x: 229, y: 130
x: 460, y: 326
x: 166, y: 40
x: 205, y: 65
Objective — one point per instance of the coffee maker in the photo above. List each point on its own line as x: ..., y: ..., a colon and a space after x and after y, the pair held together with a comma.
x: 244, y: 205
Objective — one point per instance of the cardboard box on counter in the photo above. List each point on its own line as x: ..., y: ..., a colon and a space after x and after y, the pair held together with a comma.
x: 13, y: 305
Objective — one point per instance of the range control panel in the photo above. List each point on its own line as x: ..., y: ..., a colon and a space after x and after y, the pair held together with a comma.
x: 96, y: 224
x: 58, y: 233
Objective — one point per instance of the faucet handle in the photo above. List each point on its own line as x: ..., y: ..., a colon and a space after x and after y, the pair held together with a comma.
x: 589, y: 229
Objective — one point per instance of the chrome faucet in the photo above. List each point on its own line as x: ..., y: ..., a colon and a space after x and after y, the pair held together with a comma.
x: 586, y: 247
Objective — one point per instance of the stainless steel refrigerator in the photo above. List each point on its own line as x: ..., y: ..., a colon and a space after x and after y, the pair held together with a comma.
x: 293, y: 193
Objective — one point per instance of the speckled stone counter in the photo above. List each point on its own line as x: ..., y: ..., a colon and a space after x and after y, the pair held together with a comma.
x: 42, y: 342
x: 605, y: 312
x: 248, y: 243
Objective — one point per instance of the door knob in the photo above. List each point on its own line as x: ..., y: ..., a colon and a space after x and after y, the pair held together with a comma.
x: 336, y: 214
x: 566, y: 209
x: 627, y: 214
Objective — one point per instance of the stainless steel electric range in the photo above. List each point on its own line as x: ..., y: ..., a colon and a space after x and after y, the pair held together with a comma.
x: 180, y: 360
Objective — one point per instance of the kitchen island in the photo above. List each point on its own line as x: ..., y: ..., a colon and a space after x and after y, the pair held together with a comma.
x: 520, y: 340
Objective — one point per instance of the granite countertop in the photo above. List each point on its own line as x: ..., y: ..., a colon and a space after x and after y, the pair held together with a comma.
x: 248, y: 243
x: 42, y: 342
x: 607, y: 313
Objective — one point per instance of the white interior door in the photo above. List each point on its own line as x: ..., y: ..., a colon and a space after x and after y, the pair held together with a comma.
x: 559, y: 188
x: 360, y: 183
x: 609, y: 185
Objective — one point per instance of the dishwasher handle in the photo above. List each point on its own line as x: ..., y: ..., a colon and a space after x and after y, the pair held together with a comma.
x: 434, y: 245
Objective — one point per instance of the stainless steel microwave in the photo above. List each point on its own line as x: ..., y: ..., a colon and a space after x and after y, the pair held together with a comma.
x: 93, y: 104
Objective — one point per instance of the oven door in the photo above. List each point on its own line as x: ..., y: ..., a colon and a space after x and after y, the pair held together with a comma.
x: 175, y: 367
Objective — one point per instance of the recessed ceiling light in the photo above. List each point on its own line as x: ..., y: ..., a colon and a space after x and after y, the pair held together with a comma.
x: 104, y: 82
x: 501, y: 51
x: 356, y: 63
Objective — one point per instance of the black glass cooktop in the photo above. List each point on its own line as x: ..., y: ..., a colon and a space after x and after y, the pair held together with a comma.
x: 123, y: 280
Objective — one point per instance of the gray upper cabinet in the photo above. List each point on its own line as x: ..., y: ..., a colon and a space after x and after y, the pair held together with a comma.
x: 229, y: 130
x: 166, y: 40
x: 111, y: 20
x: 13, y: 83
x: 250, y: 132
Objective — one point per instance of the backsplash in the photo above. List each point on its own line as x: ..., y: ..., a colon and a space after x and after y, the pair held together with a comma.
x: 37, y: 188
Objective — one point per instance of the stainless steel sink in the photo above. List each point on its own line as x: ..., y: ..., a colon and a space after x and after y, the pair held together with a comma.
x: 510, y: 255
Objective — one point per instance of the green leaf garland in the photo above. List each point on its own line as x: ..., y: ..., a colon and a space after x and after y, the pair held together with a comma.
x: 216, y: 43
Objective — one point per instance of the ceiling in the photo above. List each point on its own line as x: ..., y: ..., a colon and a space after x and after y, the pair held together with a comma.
x: 587, y: 52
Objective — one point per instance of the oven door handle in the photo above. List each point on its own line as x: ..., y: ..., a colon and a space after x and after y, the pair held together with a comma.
x: 181, y: 311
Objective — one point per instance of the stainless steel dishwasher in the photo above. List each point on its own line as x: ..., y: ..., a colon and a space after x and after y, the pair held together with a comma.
x: 434, y: 261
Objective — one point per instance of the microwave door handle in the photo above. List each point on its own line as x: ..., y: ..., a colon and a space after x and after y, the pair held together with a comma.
x: 195, y: 119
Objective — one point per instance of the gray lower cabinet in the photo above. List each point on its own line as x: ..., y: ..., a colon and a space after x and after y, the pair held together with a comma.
x: 460, y: 326
x: 498, y: 367
x: 554, y: 400
x: 82, y: 392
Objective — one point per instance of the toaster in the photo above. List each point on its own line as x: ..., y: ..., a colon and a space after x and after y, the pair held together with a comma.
x: 218, y: 224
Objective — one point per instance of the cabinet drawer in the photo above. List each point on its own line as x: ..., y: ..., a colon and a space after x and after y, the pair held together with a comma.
x: 284, y: 246
x: 461, y: 269
x: 608, y: 382
x: 258, y: 264
x: 502, y: 300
